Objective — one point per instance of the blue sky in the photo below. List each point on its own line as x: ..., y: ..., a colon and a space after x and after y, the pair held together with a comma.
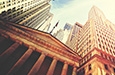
x: 71, y: 11
x: 59, y: 3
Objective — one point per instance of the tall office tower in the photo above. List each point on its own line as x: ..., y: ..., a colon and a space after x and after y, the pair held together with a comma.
x: 72, y: 37
x: 59, y: 34
x: 30, y: 13
x: 67, y: 29
x: 96, y: 45
x: 67, y: 26
x: 62, y: 34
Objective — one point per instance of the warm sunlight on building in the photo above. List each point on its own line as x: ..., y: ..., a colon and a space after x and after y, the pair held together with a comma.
x: 27, y: 51
x: 96, y: 45
x: 26, y: 48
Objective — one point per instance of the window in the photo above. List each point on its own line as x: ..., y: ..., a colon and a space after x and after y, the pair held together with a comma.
x: 105, y: 56
x: 3, y: 2
x: 105, y: 43
x: 106, y: 40
x: 98, y: 39
x: 102, y: 41
x: 106, y: 67
x: 114, y: 70
x: 103, y: 47
x: 110, y: 51
x: 18, y: 1
x: 108, y: 45
x: 90, y: 55
x: 107, y: 49
x: 4, y: 6
x: 89, y: 41
x: 100, y: 45
x: 114, y: 52
x: 107, y: 74
x: 89, y: 67
x: 102, y: 55
x: 90, y: 74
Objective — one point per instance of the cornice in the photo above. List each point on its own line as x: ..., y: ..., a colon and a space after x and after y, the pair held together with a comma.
x: 36, y: 32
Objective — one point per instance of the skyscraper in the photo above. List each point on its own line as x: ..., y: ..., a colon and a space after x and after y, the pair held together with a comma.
x: 31, y: 13
x: 67, y: 26
x: 63, y: 34
x: 59, y: 34
x: 96, y: 45
x: 72, y: 37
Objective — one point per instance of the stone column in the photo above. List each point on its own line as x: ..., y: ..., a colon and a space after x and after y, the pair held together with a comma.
x: 37, y: 65
x: 52, y: 67
x: 65, y: 68
x: 21, y: 61
x: 8, y: 52
x: 74, y: 70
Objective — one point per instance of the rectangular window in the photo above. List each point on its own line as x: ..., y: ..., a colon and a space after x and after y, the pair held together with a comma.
x: 90, y: 74
x: 106, y: 67
x: 114, y: 70
x: 81, y: 72
x: 89, y: 66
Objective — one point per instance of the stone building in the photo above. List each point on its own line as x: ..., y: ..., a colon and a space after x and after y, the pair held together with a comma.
x: 28, y: 51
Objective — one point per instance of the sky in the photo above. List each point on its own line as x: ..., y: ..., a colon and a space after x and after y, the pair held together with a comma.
x: 72, y: 11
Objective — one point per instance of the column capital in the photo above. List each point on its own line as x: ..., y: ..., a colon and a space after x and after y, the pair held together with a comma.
x: 74, y: 65
x: 55, y: 58
x: 44, y: 53
x: 65, y: 62
x: 19, y: 42
x: 30, y: 47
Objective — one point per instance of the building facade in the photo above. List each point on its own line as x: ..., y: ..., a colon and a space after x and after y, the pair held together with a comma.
x: 96, y: 45
x: 25, y: 51
x: 72, y: 37
x: 67, y: 26
x: 62, y: 34
x: 31, y: 13
x: 59, y: 34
